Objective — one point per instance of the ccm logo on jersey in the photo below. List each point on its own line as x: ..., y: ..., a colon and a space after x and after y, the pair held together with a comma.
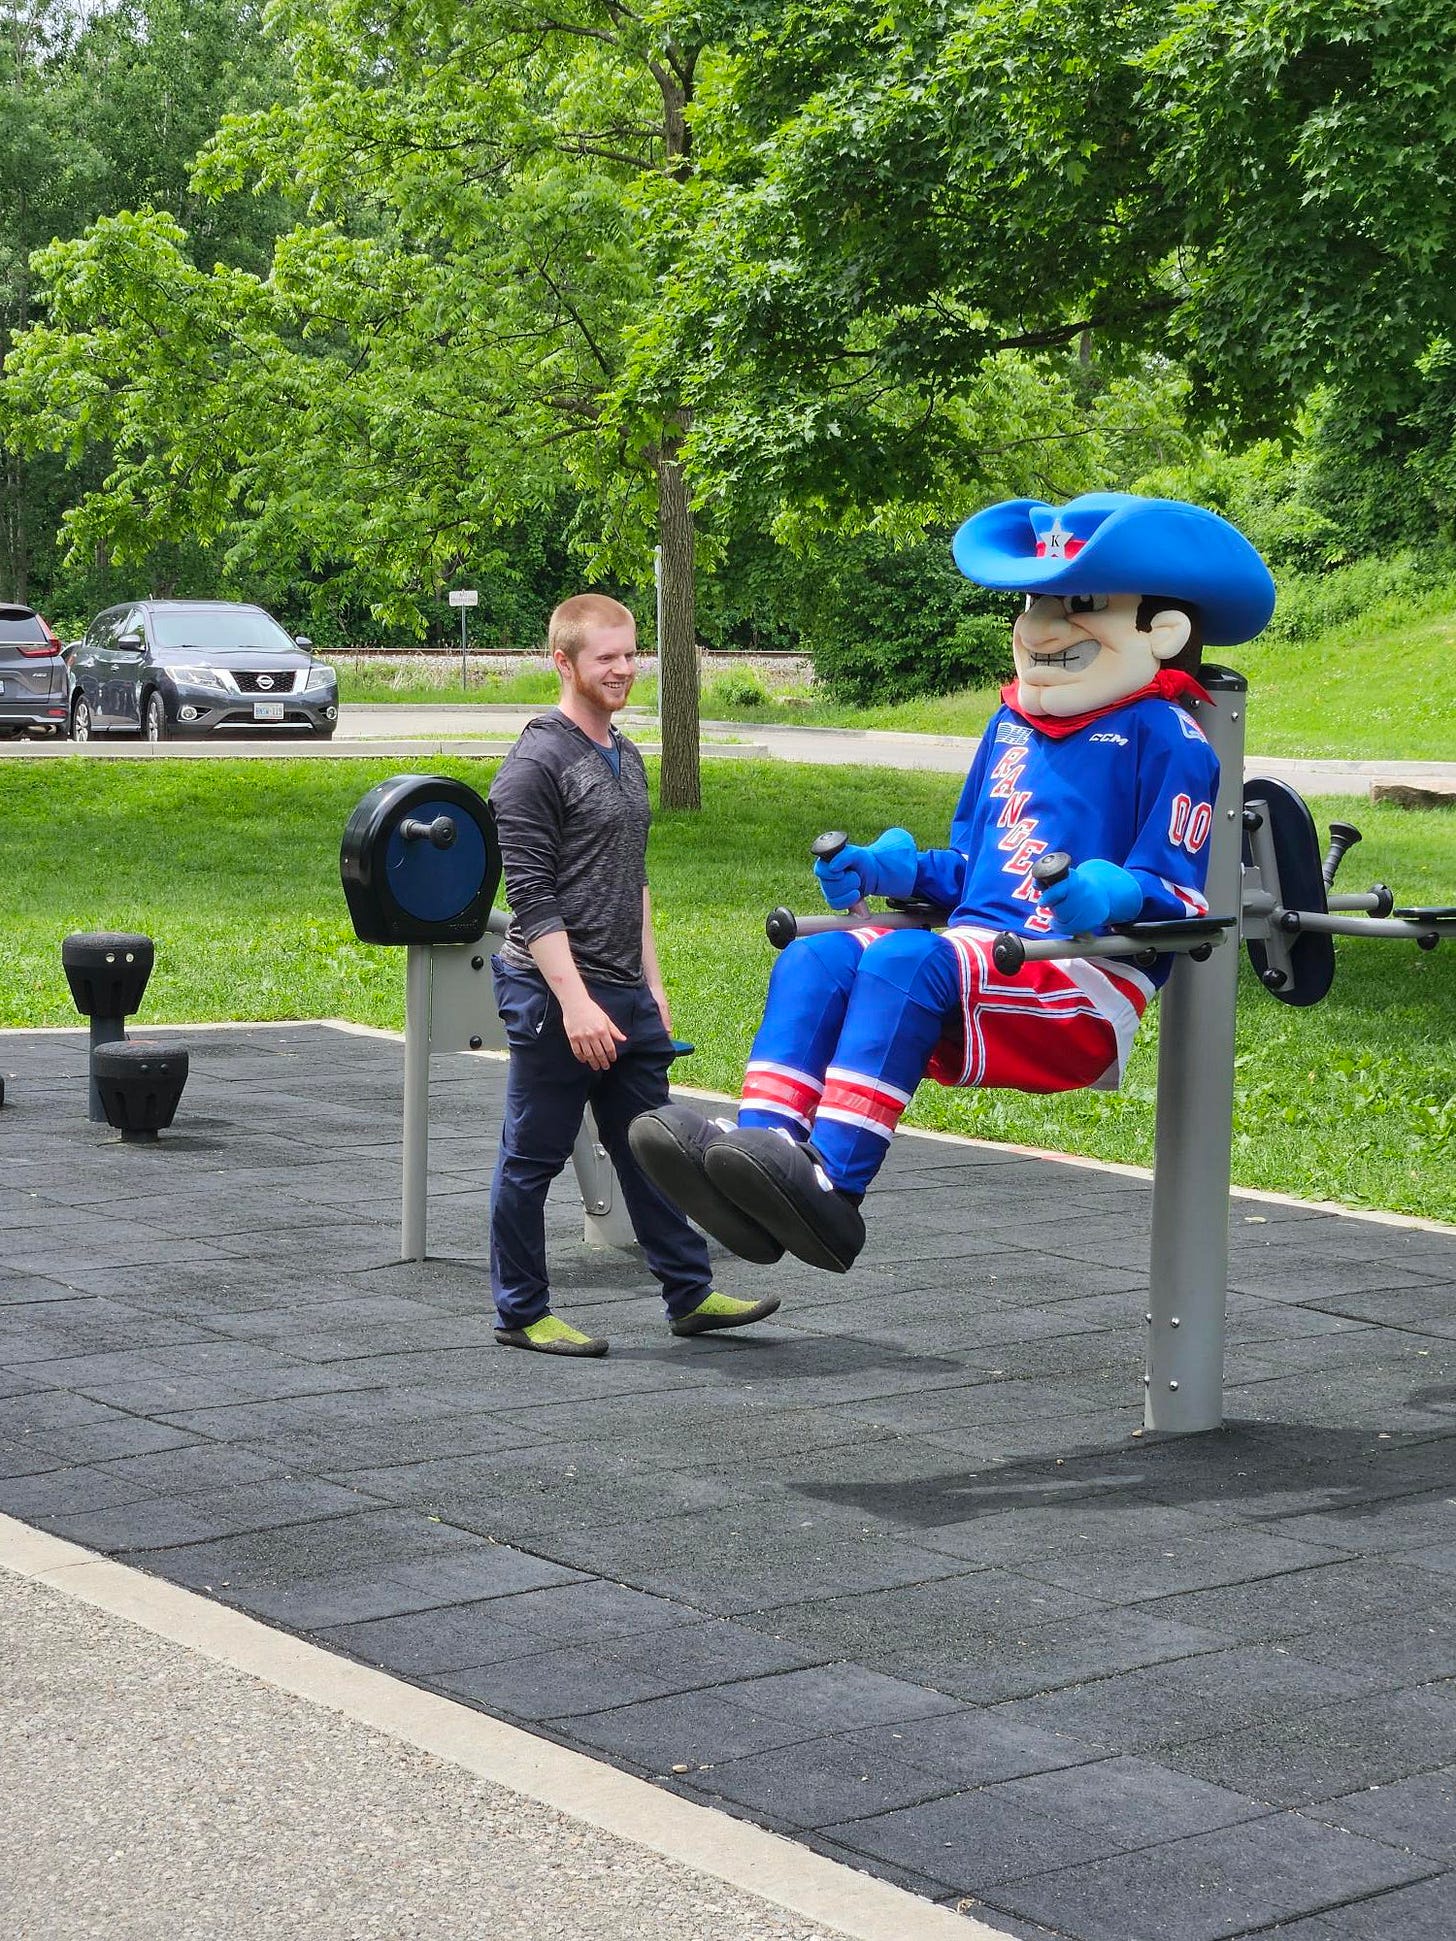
x: 1118, y: 741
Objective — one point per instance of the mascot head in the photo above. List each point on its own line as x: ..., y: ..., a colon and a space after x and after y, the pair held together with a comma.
x: 1117, y: 587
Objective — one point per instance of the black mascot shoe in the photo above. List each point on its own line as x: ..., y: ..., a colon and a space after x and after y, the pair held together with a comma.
x: 780, y: 1183
x: 670, y: 1145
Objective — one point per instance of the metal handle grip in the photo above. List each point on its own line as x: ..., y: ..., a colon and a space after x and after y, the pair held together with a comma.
x: 441, y: 832
x: 1343, y: 836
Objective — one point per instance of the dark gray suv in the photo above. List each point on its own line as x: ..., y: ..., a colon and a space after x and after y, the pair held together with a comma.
x: 161, y: 668
x: 32, y: 674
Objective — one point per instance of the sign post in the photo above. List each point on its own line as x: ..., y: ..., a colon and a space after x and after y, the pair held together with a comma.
x: 464, y: 597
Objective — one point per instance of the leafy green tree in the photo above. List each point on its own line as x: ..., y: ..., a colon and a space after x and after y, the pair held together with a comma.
x: 894, y: 206
x: 102, y: 110
x: 436, y: 346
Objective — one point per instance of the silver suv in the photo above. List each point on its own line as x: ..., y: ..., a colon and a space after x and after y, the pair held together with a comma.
x: 32, y: 674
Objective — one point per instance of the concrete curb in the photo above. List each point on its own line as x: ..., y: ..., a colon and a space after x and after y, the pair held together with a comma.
x: 744, y: 1856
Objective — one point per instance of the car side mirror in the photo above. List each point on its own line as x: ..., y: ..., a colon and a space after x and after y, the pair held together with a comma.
x: 303, y: 641
x: 130, y: 643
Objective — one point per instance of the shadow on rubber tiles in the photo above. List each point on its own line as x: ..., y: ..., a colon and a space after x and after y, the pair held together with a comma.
x: 897, y: 1574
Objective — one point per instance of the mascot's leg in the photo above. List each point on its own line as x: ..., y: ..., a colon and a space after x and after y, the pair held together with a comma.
x: 808, y: 995
x: 807, y: 1196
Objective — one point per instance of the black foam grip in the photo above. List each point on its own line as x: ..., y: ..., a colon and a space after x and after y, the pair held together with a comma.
x: 1008, y: 953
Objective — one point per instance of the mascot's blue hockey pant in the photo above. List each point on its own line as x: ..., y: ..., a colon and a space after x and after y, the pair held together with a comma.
x: 848, y: 1030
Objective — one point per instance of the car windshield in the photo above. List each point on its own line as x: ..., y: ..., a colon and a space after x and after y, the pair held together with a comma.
x: 218, y: 629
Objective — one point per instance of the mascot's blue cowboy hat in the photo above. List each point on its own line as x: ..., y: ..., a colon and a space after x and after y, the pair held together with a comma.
x: 1116, y: 542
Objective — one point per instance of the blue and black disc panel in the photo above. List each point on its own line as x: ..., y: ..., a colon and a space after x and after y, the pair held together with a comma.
x: 420, y: 862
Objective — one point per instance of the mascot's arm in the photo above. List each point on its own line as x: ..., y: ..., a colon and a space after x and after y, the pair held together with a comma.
x: 1177, y: 789
x: 941, y: 873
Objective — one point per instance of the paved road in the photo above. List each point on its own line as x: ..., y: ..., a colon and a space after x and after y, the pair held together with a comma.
x: 415, y: 733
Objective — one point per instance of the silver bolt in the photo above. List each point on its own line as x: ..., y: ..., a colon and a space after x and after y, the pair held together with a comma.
x: 1149, y: 1319
x: 1172, y: 1385
x: 1175, y: 1322
x: 1233, y: 714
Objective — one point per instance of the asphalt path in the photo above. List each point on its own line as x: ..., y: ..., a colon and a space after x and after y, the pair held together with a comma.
x: 414, y: 733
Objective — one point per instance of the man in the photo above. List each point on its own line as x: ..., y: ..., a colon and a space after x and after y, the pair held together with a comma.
x: 1092, y: 752
x: 579, y: 987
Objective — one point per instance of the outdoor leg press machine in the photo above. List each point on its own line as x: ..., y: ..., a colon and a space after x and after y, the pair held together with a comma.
x: 1264, y: 865
x: 420, y: 867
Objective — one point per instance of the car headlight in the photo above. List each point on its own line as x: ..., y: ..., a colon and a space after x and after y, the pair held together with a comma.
x: 321, y: 676
x: 217, y: 677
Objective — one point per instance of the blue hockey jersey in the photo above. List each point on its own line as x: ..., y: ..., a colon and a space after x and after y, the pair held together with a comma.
x: 1136, y: 786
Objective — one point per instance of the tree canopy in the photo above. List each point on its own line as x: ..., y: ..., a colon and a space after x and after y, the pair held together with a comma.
x: 741, y: 279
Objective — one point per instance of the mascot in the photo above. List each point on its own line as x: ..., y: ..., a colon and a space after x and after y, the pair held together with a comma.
x: 1093, y: 751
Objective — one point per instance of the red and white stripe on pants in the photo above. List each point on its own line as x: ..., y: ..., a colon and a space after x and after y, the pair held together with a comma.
x: 1053, y: 1026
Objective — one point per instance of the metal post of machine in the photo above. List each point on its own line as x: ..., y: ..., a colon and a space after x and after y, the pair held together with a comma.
x: 417, y: 979
x: 1184, y: 1369
x: 606, y: 1223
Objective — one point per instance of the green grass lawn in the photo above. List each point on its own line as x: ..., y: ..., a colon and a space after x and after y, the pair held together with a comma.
x: 233, y: 868
x: 1379, y: 688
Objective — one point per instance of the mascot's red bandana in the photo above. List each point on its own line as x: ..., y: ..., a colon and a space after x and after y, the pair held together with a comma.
x: 1168, y: 684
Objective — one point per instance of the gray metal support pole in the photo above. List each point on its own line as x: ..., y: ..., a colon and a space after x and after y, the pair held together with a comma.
x: 1184, y: 1373
x: 104, y: 1031
x: 605, y: 1222
x: 418, y: 959
x: 464, y: 677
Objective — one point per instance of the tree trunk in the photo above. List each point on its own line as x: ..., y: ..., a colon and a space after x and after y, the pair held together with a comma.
x: 677, y: 646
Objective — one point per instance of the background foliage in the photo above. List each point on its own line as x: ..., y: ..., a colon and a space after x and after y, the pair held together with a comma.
x: 340, y: 304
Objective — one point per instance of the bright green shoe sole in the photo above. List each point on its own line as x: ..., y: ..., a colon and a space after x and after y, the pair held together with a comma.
x: 713, y: 1323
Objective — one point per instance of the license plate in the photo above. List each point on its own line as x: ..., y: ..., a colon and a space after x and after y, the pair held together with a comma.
x: 267, y: 710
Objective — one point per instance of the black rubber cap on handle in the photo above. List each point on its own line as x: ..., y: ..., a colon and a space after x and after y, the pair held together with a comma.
x: 826, y: 847
x: 1008, y: 952
x: 441, y: 832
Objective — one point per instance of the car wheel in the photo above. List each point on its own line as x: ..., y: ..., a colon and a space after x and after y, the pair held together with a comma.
x: 81, y: 729
x: 155, y: 725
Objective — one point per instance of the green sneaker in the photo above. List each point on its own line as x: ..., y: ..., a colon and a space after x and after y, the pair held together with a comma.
x: 722, y: 1311
x: 551, y: 1336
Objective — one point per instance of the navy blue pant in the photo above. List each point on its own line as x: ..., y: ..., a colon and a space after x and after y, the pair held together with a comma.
x: 547, y: 1091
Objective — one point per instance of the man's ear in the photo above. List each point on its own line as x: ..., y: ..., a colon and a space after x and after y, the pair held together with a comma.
x: 1169, y: 633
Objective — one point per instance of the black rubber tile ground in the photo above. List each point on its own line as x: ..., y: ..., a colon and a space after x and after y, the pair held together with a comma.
x: 897, y: 1574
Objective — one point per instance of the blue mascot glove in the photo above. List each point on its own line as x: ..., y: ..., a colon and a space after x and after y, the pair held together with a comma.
x: 885, y: 867
x: 1094, y: 894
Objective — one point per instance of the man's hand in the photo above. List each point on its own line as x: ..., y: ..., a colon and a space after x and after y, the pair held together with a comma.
x: 590, y: 1032
x: 1091, y: 895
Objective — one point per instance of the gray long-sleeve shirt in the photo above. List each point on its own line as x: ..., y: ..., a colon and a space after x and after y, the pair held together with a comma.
x: 573, y: 839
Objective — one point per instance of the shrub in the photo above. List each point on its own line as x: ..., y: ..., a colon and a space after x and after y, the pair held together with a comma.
x: 743, y: 690
x: 888, y: 623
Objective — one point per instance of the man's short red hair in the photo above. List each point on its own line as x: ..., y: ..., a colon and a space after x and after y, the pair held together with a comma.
x: 575, y: 618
